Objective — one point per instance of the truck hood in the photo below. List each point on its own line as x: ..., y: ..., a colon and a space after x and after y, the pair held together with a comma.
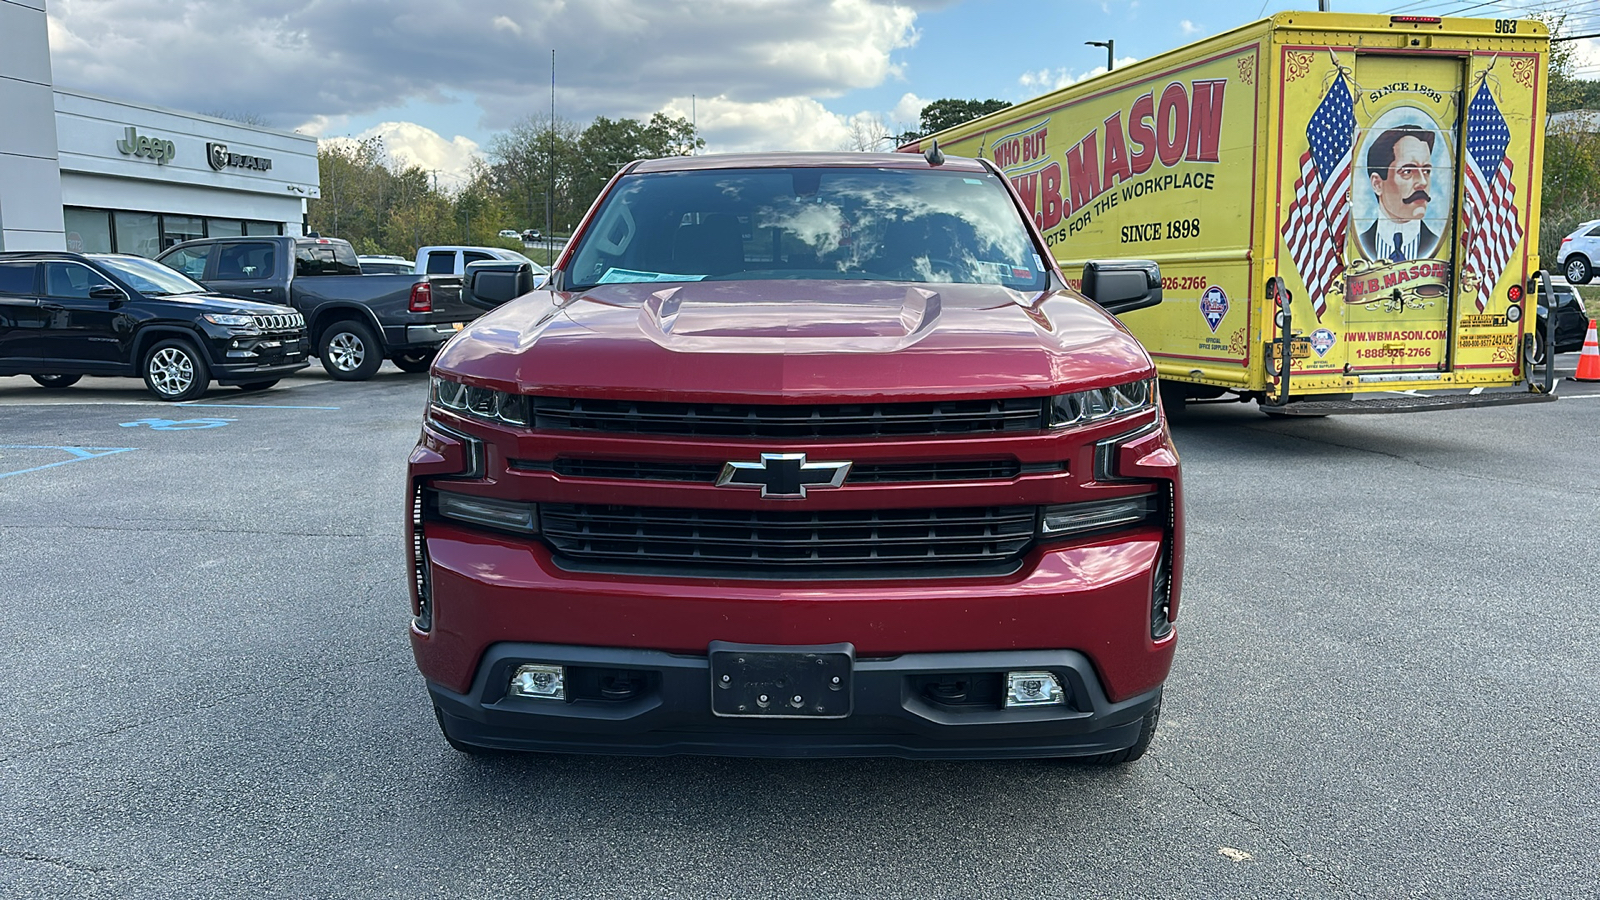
x: 812, y: 339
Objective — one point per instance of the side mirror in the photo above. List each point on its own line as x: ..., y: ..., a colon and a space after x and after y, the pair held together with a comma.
x: 1122, y: 285
x: 489, y: 283
x: 106, y: 292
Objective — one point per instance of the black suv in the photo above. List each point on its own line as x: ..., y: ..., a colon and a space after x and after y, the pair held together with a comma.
x: 67, y: 315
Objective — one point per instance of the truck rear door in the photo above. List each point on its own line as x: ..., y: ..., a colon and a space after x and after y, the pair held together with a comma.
x: 1405, y: 203
x: 252, y: 270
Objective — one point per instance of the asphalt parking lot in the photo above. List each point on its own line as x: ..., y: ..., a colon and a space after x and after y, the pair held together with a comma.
x: 1387, y: 684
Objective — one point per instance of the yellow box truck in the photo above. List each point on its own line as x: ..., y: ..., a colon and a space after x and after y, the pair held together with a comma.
x: 1378, y: 173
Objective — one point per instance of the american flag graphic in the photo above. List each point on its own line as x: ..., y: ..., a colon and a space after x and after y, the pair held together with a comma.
x: 1493, y: 231
x: 1314, y: 232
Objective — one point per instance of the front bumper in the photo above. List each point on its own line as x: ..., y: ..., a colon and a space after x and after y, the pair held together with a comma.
x: 239, y: 359
x: 894, y: 714
x: 1089, y: 600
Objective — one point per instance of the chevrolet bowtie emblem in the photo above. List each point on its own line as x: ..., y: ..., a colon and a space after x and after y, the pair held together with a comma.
x: 783, y: 476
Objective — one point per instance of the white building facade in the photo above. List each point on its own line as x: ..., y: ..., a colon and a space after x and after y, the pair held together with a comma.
x: 93, y: 174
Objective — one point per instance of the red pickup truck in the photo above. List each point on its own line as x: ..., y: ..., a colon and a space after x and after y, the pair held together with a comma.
x: 800, y: 455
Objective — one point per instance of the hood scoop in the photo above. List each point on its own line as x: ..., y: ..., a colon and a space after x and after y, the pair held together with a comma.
x: 855, y: 318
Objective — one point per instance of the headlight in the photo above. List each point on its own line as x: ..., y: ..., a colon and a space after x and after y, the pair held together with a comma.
x: 1083, y: 407
x: 508, y: 515
x: 232, y: 321
x: 479, y: 403
x: 1069, y: 519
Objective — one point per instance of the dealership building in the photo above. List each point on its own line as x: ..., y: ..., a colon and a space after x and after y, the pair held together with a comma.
x: 90, y: 173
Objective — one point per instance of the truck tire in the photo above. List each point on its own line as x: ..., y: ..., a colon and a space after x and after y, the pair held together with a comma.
x: 1578, y: 270
x: 1147, y: 730
x: 1535, y: 349
x: 349, y: 351
x: 414, y: 360
x: 56, y: 381
x: 1174, y: 398
x: 174, y: 370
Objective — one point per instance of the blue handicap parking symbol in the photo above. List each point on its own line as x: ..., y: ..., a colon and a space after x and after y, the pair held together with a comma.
x: 177, y: 425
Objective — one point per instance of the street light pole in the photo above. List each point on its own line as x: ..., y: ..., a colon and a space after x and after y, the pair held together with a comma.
x: 1111, y: 52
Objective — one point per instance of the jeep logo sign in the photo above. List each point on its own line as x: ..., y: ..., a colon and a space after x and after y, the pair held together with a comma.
x: 134, y: 144
x: 220, y: 158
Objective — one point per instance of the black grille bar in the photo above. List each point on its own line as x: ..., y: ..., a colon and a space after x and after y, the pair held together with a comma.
x: 706, y: 473
x: 789, y: 421
x: 711, y: 538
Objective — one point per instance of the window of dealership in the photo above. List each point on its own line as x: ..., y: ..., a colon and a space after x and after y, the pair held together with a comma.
x: 146, y: 234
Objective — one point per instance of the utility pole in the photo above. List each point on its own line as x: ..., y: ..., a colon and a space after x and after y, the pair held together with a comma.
x: 1111, y: 51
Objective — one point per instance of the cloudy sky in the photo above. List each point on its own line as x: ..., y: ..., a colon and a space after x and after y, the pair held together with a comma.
x: 437, y: 78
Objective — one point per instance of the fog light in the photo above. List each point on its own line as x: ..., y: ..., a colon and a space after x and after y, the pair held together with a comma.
x: 1034, y: 689
x: 539, y: 681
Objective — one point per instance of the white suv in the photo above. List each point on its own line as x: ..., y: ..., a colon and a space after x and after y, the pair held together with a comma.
x: 1579, y: 252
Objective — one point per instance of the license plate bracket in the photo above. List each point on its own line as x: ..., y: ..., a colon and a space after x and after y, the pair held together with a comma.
x: 762, y: 681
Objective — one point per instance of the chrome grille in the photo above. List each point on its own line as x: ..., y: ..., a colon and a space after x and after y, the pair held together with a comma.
x: 281, y: 322
x: 789, y: 421
x: 860, y: 473
x: 816, y: 541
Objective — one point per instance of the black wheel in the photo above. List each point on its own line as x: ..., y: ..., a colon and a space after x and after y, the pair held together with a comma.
x: 1535, y: 349
x: 250, y: 386
x: 1174, y: 399
x: 460, y: 746
x: 1147, y: 730
x: 414, y: 360
x: 350, y: 351
x: 1578, y: 269
x: 56, y: 381
x: 174, y: 370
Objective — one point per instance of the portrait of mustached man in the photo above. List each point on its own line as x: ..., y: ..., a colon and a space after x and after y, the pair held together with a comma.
x: 1400, y: 169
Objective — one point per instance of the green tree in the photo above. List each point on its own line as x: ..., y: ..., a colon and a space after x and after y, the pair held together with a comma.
x: 667, y: 135
x: 478, y: 208
x: 533, y: 164
x: 1570, y: 189
x: 609, y: 144
x: 942, y: 114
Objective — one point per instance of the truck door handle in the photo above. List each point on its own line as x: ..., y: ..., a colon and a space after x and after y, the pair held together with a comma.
x: 261, y: 290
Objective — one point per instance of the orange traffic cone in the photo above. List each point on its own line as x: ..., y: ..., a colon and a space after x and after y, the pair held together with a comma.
x: 1589, y: 359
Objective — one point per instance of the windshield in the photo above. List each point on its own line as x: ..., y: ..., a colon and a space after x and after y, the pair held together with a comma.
x: 149, y: 277
x: 860, y: 224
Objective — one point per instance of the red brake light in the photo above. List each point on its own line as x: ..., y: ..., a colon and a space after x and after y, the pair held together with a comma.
x: 1414, y: 20
x: 421, y: 297
x: 1565, y: 239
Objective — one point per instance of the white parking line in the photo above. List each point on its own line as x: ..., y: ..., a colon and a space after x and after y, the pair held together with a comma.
x: 254, y: 406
